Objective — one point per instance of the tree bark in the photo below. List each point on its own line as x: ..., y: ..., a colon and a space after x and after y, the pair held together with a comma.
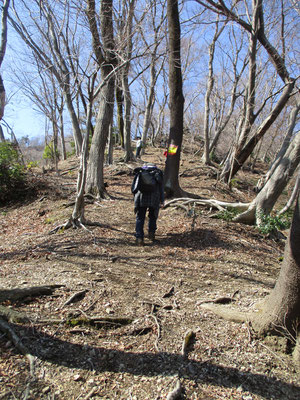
x: 176, y: 103
x: 107, y: 61
x: 209, y: 88
x: 3, y: 43
x: 267, y: 197
x: 280, y: 311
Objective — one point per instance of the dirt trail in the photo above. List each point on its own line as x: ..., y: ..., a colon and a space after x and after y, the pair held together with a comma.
x: 160, y: 287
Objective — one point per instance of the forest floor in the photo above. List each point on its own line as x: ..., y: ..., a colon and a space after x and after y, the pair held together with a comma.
x: 157, y: 291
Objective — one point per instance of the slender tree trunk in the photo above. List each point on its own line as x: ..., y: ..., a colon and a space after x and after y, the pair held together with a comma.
x: 62, y: 136
x: 2, y: 138
x: 95, y: 178
x: 3, y: 43
x: 125, y: 84
x: 176, y: 101
x: 128, y: 156
x: 209, y: 88
x: 110, y: 146
x: 249, y: 118
x: 120, y: 119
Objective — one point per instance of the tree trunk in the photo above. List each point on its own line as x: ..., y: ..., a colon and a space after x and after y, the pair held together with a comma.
x: 120, y: 119
x: 210, y: 85
x: 95, y: 179
x: 267, y: 197
x: 2, y: 138
x: 127, y: 114
x: 62, y: 136
x: 293, y: 196
x: 248, y: 118
x: 125, y: 84
x: 171, y: 183
x: 280, y: 311
x: 2, y: 52
x: 292, y: 122
x: 110, y: 146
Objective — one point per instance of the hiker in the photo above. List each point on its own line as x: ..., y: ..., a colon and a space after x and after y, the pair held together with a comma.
x: 139, y: 145
x: 148, y: 190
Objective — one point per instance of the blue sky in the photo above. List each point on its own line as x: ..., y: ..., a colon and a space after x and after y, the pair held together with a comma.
x: 22, y: 118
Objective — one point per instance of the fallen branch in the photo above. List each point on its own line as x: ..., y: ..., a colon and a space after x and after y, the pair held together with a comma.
x: 75, y: 297
x: 6, y: 328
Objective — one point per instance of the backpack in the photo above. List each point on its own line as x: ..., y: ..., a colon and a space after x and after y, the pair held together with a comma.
x: 146, y: 180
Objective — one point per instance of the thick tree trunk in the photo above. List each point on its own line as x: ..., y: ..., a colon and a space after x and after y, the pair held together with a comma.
x: 172, y: 187
x: 267, y: 197
x: 280, y: 311
x: 287, y: 140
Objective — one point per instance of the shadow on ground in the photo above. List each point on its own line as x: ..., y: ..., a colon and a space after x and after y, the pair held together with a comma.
x: 100, y: 359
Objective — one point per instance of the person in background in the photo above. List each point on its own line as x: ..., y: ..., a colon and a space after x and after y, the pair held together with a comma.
x: 139, y: 145
x: 147, y: 196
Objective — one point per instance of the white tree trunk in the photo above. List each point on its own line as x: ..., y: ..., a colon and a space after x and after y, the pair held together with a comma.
x: 267, y: 197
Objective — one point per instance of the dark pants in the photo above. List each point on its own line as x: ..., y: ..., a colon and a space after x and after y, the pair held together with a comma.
x: 140, y: 220
x: 138, y: 152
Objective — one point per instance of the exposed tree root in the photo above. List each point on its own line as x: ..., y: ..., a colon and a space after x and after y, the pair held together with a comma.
x: 220, y: 205
x: 296, y: 354
x: 227, y: 313
x: 75, y: 223
x: 18, y: 294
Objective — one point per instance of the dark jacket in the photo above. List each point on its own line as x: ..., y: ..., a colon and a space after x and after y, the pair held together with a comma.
x: 152, y: 199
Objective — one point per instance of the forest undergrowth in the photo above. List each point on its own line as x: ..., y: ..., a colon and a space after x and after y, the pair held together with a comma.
x: 126, y: 322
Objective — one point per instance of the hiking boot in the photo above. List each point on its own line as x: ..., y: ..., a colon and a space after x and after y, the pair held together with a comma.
x: 151, y: 236
x: 139, y: 242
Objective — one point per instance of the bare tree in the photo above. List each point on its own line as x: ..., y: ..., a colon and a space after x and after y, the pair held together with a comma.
x: 257, y: 33
x: 4, y: 16
x: 209, y: 88
x: 104, y: 50
x: 125, y: 54
x: 155, y: 68
x: 49, y: 42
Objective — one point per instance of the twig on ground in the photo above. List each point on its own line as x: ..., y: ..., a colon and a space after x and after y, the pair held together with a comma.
x: 7, y: 329
x: 75, y: 297
x: 176, y: 393
x: 90, y: 394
